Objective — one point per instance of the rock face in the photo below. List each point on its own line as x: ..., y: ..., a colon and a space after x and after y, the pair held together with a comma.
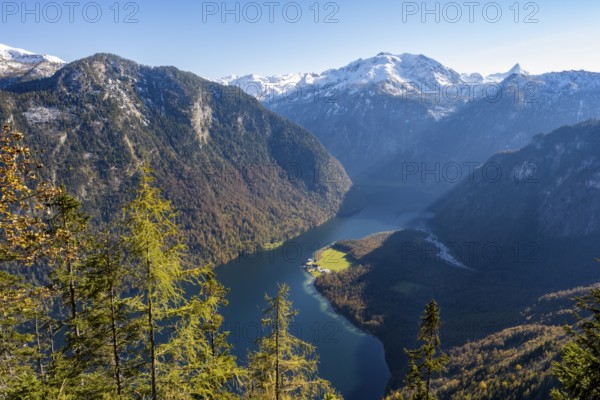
x: 240, y: 175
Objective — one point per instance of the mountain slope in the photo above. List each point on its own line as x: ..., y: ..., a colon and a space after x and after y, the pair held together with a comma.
x: 239, y: 174
x: 518, y: 108
x: 363, y: 111
x: 514, y: 363
x: 493, y: 245
x: 549, y: 190
x: 378, y: 114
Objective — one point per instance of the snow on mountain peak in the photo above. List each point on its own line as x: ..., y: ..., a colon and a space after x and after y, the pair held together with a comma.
x: 499, y: 77
x: 8, y: 53
x: 18, y: 63
x: 385, y: 67
x: 392, y: 73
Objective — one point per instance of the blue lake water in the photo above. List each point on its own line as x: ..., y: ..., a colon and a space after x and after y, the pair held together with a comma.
x: 352, y: 360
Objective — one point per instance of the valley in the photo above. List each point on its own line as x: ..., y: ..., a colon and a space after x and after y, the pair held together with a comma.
x: 492, y: 266
x: 488, y: 204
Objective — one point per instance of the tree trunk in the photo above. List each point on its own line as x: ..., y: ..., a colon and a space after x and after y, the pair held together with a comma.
x: 114, y: 342
x: 39, y: 347
x: 277, y: 350
x: 151, y: 336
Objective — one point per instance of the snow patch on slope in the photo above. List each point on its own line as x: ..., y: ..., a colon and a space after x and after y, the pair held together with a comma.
x: 41, y: 115
x: 444, y: 252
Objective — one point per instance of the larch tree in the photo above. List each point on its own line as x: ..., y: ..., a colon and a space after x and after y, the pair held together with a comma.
x: 188, y: 356
x: 202, y: 366
x: 284, y: 367
x: 156, y: 246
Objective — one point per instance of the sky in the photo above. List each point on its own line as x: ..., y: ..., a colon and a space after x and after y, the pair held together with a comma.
x: 226, y: 37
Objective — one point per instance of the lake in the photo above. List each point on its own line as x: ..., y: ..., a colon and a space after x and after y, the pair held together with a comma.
x: 353, y: 361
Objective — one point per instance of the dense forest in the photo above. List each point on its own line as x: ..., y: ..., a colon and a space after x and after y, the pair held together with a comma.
x: 110, y: 313
x: 241, y: 176
x: 505, y: 337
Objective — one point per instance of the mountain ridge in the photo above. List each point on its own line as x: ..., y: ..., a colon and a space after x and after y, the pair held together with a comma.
x: 401, y: 69
x: 377, y: 114
x: 241, y: 175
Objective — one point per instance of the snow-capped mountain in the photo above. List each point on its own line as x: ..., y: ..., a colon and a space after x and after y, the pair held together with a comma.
x: 497, y: 78
x: 404, y: 74
x: 394, y: 74
x: 394, y: 106
x: 370, y: 108
x: 526, y: 105
x: 22, y: 64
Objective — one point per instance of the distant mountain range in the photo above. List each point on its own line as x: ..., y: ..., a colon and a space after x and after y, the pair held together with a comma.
x: 377, y: 113
x: 398, y: 75
x: 241, y: 176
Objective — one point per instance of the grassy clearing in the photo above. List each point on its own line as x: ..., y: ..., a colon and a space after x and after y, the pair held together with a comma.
x: 334, y: 260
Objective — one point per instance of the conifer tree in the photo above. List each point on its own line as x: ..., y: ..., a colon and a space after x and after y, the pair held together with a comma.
x: 201, y: 365
x: 155, y: 243
x: 427, y: 360
x: 192, y: 360
x: 68, y: 230
x: 579, y: 369
x: 112, y: 330
x: 284, y: 367
x: 19, y: 303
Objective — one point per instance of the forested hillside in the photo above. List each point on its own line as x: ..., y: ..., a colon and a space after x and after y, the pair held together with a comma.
x: 239, y: 175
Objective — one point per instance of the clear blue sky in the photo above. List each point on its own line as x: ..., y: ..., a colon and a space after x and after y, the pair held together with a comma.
x: 192, y: 36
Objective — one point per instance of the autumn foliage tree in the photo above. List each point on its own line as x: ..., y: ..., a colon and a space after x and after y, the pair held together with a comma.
x: 23, y: 238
